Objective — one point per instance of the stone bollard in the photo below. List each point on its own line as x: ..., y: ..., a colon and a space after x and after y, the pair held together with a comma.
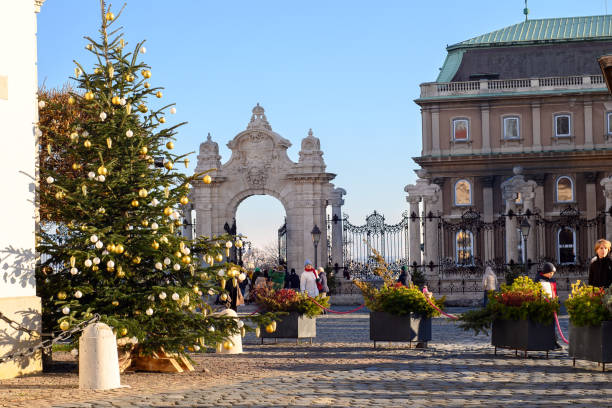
x: 98, y: 362
x: 234, y: 342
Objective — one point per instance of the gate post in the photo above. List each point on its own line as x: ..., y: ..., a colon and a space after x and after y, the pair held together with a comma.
x: 336, y: 245
x: 415, y: 230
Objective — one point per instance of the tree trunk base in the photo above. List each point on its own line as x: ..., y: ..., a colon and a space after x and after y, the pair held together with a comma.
x: 158, y: 362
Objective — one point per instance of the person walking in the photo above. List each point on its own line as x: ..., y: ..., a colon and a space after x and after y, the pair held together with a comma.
x: 489, y: 284
x: 308, y: 280
x: 404, y: 277
x: 324, y: 289
x: 549, y: 284
x: 293, y: 280
x: 600, y: 270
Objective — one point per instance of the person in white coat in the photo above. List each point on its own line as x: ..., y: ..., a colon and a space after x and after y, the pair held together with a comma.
x: 489, y: 283
x: 308, y: 280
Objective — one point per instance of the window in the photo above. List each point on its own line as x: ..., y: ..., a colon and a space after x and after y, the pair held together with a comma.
x: 609, y: 119
x: 565, y: 190
x: 566, y: 247
x: 463, y: 193
x: 511, y: 128
x: 461, y: 130
x: 464, y: 248
x: 562, y: 125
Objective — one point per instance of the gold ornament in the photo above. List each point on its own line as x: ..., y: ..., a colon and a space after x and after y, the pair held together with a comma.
x: 129, y: 77
x: 242, y: 332
x: 109, y: 16
x: 109, y: 142
x: 102, y: 171
x: 145, y: 223
x: 61, y: 295
x: 186, y: 163
x: 162, y: 120
x: 223, y: 297
x: 128, y: 108
x: 144, y: 150
x: 95, y: 268
x: 143, y: 108
x: 219, y: 257
x: 89, y: 96
x: 257, y: 331
x: 167, y: 211
x: 135, y: 203
x: 159, y: 94
x: 155, y: 245
x: 172, y: 228
x: 270, y: 328
x: 111, y: 71
x: 119, y: 249
x: 177, y: 254
x: 115, y: 303
x: 146, y: 73
x: 71, y: 100
x: 166, y: 192
x: 207, y: 179
x: 184, y: 200
x: 115, y: 100
x: 223, y: 283
x: 123, y: 331
x: 168, y: 165
x: 136, y: 260
x: 72, y: 261
x: 170, y: 145
x: 227, y: 345
x: 143, y: 192
x: 76, y: 166
x: 186, y: 259
x: 120, y: 272
x: 147, y: 85
x: 64, y: 325
x: 87, y: 144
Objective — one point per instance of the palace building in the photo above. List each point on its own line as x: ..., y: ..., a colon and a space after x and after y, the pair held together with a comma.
x: 516, y: 132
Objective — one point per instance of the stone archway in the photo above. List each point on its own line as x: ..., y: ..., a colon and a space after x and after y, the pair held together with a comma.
x: 259, y: 165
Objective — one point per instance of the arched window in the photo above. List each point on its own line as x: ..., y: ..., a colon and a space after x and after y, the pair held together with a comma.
x: 564, y: 190
x: 464, y: 248
x: 463, y: 193
x: 566, y: 245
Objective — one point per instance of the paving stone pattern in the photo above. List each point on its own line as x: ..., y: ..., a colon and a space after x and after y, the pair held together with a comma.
x: 458, y: 369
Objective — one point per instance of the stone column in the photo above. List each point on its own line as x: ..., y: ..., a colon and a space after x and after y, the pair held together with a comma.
x: 415, y: 230
x: 487, y: 200
x: 486, y: 134
x: 337, y: 241
x: 426, y: 131
x: 607, y: 185
x: 539, y: 206
x: 528, y: 195
x: 432, y: 202
x: 588, y: 125
x: 535, y: 114
x: 435, y: 131
x: 511, y: 234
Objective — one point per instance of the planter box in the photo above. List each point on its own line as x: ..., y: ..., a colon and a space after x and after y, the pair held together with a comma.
x: 592, y: 343
x: 388, y: 327
x: 523, y: 335
x: 292, y: 326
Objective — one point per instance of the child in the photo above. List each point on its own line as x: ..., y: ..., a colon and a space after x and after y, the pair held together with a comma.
x: 549, y: 284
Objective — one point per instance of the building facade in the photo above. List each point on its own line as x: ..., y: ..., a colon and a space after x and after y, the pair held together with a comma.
x: 517, y: 130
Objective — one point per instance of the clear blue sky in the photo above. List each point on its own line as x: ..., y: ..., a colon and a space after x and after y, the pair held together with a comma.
x: 348, y: 69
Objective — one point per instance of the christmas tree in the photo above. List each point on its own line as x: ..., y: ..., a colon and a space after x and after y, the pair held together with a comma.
x: 112, y: 196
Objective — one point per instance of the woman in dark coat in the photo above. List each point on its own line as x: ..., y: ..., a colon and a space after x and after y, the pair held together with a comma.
x: 600, y: 270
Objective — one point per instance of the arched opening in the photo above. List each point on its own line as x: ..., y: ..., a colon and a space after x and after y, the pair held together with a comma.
x: 261, y: 219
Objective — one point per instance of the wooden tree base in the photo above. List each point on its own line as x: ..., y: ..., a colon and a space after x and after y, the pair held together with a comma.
x: 159, y: 362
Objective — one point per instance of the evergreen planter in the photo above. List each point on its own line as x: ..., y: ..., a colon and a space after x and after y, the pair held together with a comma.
x: 525, y: 335
x: 292, y: 326
x: 411, y: 327
x: 591, y: 343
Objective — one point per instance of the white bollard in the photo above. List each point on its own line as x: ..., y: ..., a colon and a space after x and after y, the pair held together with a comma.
x: 98, y: 361
x: 235, y: 341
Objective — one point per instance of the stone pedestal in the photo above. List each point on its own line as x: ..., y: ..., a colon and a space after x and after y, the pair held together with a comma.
x: 607, y: 187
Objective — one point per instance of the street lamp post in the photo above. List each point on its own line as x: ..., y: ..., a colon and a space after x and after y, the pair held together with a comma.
x: 525, y: 227
x: 316, y: 236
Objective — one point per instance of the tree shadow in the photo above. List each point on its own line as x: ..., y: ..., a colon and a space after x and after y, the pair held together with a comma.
x: 17, y: 266
x: 17, y: 341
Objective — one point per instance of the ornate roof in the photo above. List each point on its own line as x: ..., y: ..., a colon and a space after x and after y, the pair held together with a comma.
x: 544, y: 30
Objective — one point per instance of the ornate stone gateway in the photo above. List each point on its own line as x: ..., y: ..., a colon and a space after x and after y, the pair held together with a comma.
x: 259, y: 165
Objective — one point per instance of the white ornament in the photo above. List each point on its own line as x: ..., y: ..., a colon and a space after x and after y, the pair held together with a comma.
x: 85, y: 133
x: 41, y: 104
x: 110, y: 264
x: 186, y: 251
x: 91, y: 175
x: 211, y: 329
x: 211, y: 292
x: 99, y: 244
x: 173, y: 110
x: 158, y: 265
x: 241, y: 277
x: 38, y: 132
x: 102, y: 115
x: 154, y: 202
x: 104, y: 253
x: 167, y: 261
x: 66, y: 310
x: 101, y: 178
x: 221, y: 272
x: 74, y: 352
x: 123, y: 101
x: 162, y: 295
x: 175, y: 215
x: 50, y: 180
x: 93, y: 238
x: 129, y: 133
x: 240, y: 324
x: 196, y: 347
x: 176, y: 267
x: 154, y: 226
x: 78, y: 294
x: 175, y: 296
x: 149, y: 312
x: 96, y: 260
x: 74, y: 271
x: 151, y: 298
x: 88, y: 263
x: 143, y: 50
x: 130, y: 227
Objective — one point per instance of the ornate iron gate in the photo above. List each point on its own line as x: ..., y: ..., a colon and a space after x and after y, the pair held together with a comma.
x: 390, y: 241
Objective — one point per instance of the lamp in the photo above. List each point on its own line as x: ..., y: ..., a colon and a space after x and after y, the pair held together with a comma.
x: 525, y: 227
x: 316, y: 237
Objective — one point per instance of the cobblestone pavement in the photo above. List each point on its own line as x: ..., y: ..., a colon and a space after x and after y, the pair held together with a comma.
x: 458, y: 369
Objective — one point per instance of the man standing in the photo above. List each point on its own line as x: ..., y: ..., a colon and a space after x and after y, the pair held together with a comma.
x: 489, y: 284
